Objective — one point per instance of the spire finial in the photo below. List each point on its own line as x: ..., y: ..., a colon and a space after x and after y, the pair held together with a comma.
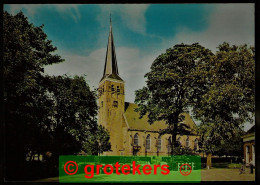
x: 110, y: 27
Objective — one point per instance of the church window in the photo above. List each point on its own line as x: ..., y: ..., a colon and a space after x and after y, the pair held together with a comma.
x: 118, y: 89
x: 187, y: 142
x: 159, y: 146
x: 115, y: 104
x: 179, y: 141
x: 112, y: 88
x: 136, y: 139
x: 148, y: 143
x: 196, y: 146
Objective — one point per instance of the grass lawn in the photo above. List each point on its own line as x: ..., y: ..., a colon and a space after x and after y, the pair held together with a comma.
x: 215, y: 174
x: 219, y: 172
x: 173, y: 176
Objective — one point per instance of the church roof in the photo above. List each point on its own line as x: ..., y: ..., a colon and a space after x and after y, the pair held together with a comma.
x: 112, y: 76
x: 134, y: 123
x: 251, y: 130
x: 110, y: 69
x: 249, y: 133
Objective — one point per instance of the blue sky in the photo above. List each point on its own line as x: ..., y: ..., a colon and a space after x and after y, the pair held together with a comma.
x: 83, y: 28
x: 141, y: 33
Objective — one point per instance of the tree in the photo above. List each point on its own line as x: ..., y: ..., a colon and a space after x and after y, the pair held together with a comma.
x: 231, y: 147
x: 26, y: 51
x: 228, y: 101
x: 99, y: 142
x: 74, y: 115
x: 48, y: 115
x: 175, y: 79
x: 212, y: 142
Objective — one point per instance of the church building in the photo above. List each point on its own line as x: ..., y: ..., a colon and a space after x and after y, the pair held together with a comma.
x: 130, y: 135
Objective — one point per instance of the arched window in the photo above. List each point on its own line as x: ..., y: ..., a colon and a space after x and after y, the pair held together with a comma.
x: 159, y: 146
x: 115, y: 103
x: 187, y: 142
x: 169, y: 144
x: 136, y: 139
x: 148, y: 142
x: 196, y: 146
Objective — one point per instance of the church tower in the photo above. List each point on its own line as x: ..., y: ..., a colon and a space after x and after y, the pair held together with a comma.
x: 111, y: 99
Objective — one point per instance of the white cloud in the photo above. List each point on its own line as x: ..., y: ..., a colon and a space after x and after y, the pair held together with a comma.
x: 31, y: 9
x: 79, y: 65
x: 133, y: 15
x: 233, y: 23
x: 132, y: 66
x: 71, y: 9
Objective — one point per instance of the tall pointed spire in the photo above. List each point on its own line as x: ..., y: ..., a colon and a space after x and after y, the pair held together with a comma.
x: 111, y: 69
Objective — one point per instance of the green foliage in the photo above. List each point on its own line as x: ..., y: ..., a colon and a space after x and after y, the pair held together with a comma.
x: 230, y: 93
x: 99, y: 142
x: 25, y: 52
x: 235, y: 165
x: 48, y: 115
x: 175, y: 79
x: 229, y: 97
x: 74, y: 113
x: 180, y: 150
x: 212, y: 141
x: 220, y: 89
x: 233, y: 147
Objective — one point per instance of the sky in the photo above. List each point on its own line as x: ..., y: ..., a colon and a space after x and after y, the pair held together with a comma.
x: 141, y: 33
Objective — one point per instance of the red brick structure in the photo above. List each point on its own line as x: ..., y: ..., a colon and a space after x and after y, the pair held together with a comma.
x: 249, y: 146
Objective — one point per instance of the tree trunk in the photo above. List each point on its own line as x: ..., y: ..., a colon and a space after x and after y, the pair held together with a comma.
x: 173, y: 143
x: 209, y: 160
x: 174, y: 133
